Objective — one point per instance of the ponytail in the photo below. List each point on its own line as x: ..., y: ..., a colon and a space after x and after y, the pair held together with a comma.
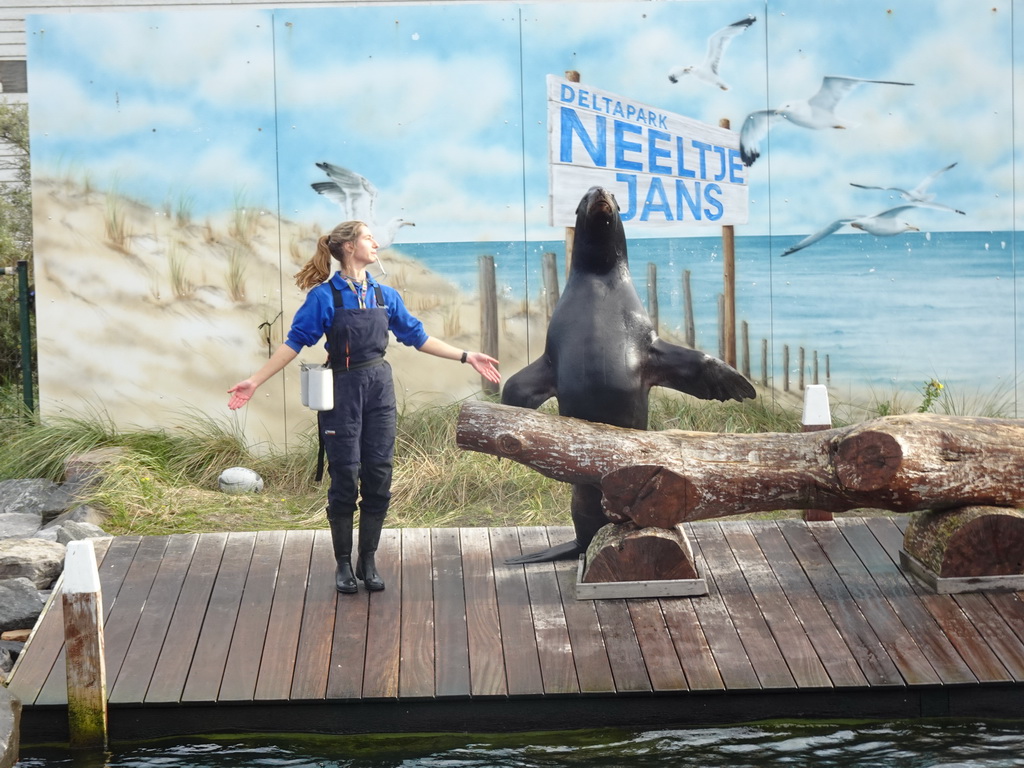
x: 318, y: 268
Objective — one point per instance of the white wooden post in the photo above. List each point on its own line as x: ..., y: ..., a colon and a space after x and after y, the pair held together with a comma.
x: 816, y: 416
x: 83, y: 641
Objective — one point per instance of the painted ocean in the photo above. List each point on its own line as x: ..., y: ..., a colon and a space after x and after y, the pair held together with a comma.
x: 889, y: 313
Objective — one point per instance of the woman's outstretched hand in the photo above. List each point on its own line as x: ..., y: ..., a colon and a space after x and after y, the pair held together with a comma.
x: 484, y: 365
x: 241, y: 393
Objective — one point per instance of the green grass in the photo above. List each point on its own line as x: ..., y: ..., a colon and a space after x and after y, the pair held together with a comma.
x: 165, y: 481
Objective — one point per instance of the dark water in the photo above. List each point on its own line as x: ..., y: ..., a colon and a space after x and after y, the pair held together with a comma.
x: 931, y: 744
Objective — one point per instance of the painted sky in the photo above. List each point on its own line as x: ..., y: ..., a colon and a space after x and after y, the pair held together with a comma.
x: 443, y: 106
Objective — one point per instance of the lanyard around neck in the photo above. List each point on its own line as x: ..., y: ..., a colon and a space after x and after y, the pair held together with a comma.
x: 359, y: 289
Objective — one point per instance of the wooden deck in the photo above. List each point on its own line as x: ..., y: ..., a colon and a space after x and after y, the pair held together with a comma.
x: 244, y: 631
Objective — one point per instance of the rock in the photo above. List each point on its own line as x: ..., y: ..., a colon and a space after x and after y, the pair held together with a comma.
x: 15, y: 636
x: 12, y: 648
x: 10, y: 723
x: 37, y: 496
x: 37, y: 560
x: 20, y: 604
x: 83, y: 469
x: 82, y: 513
x: 19, y: 525
x: 73, y: 530
x: 6, y: 661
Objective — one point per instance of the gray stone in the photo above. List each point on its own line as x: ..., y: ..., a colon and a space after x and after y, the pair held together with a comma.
x: 82, y: 513
x: 6, y: 662
x: 37, y: 560
x: 27, y: 496
x: 20, y: 604
x: 10, y: 724
x: 19, y: 525
x: 75, y: 531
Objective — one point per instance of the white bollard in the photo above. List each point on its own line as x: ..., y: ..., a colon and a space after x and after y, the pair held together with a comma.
x: 83, y: 641
x: 816, y: 416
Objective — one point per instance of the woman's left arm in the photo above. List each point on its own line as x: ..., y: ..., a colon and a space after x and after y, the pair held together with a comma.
x: 482, y: 364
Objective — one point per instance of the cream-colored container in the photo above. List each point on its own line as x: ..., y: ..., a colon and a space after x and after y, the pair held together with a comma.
x: 316, y: 386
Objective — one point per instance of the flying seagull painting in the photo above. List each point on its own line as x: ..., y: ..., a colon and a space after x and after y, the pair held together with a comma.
x: 884, y: 224
x: 919, y: 195
x: 816, y: 113
x: 357, y: 197
x: 717, y: 43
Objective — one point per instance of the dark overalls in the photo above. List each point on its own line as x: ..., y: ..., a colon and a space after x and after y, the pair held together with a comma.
x: 359, y: 433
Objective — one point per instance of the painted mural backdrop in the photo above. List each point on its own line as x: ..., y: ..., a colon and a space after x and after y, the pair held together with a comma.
x: 185, y: 162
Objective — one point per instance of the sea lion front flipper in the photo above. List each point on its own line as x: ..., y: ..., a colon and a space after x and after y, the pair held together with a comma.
x: 695, y: 373
x: 532, y: 386
x: 568, y: 551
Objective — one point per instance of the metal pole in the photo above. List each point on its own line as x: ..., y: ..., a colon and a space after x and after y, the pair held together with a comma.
x: 26, y: 335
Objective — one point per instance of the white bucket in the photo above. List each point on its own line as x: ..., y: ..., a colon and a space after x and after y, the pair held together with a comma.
x: 316, y: 386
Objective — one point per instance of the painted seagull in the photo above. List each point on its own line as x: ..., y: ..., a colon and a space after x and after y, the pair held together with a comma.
x: 816, y: 113
x: 882, y: 224
x: 717, y: 43
x: 919, y: 195
x: 357, y: 197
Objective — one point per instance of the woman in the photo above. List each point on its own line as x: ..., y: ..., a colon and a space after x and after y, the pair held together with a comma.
x: 356, y: 313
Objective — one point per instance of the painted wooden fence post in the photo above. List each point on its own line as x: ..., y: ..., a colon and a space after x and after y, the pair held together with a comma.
x: 83, y: 640
x: 488, y: 315
x: 817, y: 416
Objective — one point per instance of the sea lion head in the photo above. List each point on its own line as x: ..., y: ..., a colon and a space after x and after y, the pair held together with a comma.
x: 599, y: 242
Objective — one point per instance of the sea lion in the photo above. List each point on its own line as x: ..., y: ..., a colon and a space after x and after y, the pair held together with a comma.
x: 602, y: 355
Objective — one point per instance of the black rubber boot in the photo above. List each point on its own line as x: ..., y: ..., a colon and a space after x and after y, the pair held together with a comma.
x: 375, y: 493
x: 369, y: 537
x: 341, y: 537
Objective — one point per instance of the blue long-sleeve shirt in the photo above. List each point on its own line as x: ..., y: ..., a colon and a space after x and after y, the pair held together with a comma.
x: 315, y: 316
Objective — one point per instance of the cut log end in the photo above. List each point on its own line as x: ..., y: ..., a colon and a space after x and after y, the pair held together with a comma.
x: 867, y: 461
x: 625, y: 552
x: 968, y: 541
x: 649, y: 495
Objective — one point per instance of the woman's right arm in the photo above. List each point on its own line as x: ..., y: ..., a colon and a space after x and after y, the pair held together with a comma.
x: 244, y: 390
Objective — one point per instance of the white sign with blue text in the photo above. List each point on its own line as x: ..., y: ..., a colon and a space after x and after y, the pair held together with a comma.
x: 663, y: 168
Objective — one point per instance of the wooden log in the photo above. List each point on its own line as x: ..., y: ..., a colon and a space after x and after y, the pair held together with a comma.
x: 968, y: 541
x: 627, y: 552
x: 901, y: 463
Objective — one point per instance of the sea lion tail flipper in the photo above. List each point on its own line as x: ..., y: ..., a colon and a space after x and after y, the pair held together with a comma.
x: 530, y: 387
x: 568, y: 551
x: 695, y: 373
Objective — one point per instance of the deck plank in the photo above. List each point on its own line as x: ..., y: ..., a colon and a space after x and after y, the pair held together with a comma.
x: 383, y: 640
x: 897, y: 640
x: 167, y: 681
x: 416, y: 672
x: 659, y: 652
x: 857, y: 633
x: 316, y: 633
x: 627, y: 661
x: 730, y: 656
x: 829, y: 645
x: 522, y: 658
x: 348, y: 647
x: 278, y: 661
x: 759, y: 644
x: 558, y: 669
x: 451, y: 652
x: 593, y: 670
x: 147, y: 643
x: 242, y: 667
x: 486, y: 655
x: 942, y: 656
x: 789, y: 632
x: 211, y: 653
